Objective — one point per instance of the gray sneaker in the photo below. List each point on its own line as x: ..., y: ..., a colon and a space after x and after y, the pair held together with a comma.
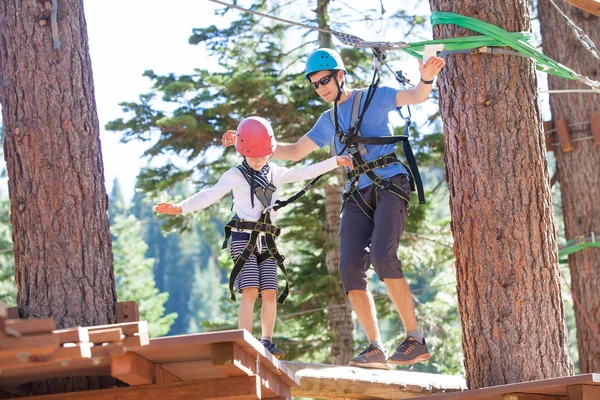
x: 410, y: 352
x: 371, y: 357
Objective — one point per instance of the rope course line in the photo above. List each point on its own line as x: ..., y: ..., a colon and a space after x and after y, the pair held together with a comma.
x: 579, y: 33
x: 491, y: 38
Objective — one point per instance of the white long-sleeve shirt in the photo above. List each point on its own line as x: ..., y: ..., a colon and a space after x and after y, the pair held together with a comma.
x: 234, y: 181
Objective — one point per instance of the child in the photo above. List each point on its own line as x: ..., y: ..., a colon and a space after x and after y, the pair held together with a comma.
x: 256, y: 186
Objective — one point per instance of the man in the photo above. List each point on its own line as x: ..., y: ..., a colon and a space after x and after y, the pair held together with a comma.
x: 376, y: 201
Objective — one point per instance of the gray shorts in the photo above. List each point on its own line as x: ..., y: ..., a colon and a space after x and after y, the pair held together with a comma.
x: 364, y: 242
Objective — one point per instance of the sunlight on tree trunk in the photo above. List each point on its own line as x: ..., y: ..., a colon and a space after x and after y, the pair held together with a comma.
x: 504, y: 236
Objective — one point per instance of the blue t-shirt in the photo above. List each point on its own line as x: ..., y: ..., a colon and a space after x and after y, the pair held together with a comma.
x: 376, y: 122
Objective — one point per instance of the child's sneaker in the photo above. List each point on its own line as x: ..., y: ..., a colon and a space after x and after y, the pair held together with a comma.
x: 371, y: 357
x: 410, y: 352
x: 278, y: 353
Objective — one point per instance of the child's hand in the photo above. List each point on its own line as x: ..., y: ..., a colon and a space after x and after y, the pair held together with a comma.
x: 228, y: 138
x: 168, y: 208
x: 344, y: 161
x: 431, y: 68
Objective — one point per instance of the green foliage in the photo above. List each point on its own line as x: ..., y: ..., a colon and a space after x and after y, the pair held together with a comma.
x: 133, y: 272
x: 8, y: 287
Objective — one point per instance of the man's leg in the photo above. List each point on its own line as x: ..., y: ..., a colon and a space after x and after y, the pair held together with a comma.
x: 400, y: 294
x: 355, y: 234
x: 364, y: 307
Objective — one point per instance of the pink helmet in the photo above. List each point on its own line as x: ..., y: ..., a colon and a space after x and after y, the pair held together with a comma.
x: 255, y: 138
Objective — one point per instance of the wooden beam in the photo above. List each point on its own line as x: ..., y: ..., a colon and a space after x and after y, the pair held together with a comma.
x: 527, y: 396
x: 72, y: 335
x: 31, y: 326
x: 583, y: 392
x: 31, y: 345
x: 548, y: 137
x: 564, y: 135
x: 234, y: 388
x: 132, y: 369
x: 233, y: 360
x: 107, y: 335
x: 127, y: 311
x: 591, y: 6
x: 595, y: 126
x: 128, y: 328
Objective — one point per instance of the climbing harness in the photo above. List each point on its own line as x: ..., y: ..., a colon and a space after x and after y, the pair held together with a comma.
x: 355, y: 144
x: 271, y: 232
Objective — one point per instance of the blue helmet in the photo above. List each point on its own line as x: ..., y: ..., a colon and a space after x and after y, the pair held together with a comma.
x: 323, y: 59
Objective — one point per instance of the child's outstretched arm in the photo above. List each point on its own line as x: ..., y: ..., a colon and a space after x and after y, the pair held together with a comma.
x: 168, y: 208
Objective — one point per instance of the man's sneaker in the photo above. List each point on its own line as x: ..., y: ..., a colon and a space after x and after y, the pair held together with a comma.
x: 410, y: 352
x: 371, y: 357
x: 278, y: 353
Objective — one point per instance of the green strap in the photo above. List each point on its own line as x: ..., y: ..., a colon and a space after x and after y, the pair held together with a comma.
x: 523, y: 42
x: 575, y: 245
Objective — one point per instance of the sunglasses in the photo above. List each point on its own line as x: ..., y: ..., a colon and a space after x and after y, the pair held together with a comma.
x: 323, y: 81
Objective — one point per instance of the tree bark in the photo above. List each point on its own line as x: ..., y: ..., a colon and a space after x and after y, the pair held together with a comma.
x: 579, y: 170
x: 504, y: 236
x: 63, y: 256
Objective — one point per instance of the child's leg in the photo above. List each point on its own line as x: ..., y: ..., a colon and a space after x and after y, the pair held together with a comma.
x: 268, y: 312
x: 246, y: 310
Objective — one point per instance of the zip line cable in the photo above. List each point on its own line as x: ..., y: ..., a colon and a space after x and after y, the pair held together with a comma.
x: 579, y: 33
x: 492, y: 37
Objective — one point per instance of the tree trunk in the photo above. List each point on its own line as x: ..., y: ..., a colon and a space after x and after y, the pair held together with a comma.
x: 63, y: 256
x: 504, y: 236
x: 340, y: 310
x: 578, y: 170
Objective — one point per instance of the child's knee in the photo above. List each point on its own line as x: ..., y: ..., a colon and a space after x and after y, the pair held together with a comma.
x: 250, y: 293
x: 269, y: 295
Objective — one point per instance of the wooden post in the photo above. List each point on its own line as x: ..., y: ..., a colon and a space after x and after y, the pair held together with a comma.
x: 583, y: 392
x: 595, y: 126
x: 564, y: 135
x: 13, y: 313
x: 127, y: 311
x: 527, y: 396
x: 549, y: 137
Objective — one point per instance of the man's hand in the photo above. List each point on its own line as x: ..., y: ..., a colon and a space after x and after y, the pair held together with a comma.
x: 168, y: 208
x: 228, y: 138
x: 344, y: 161
x: 431, y: 68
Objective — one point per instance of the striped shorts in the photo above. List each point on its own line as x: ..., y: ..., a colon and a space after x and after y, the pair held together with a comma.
x: 263, y: 276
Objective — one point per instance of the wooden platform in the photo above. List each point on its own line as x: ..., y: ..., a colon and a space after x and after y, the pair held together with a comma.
x: 578, y: 387
x: 219, y: 365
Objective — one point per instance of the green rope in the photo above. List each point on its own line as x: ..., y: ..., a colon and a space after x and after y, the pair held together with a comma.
x: 523, y: 42
x: 575, y: 245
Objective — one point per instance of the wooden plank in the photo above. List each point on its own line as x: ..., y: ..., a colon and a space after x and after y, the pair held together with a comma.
x: 132, y: 369
x: 128, y: 328
x: 13, y: 312
x: 32, y: 345
x: 235, y: 388
x: 595, y: 126
x: 336, y: 381
x: 107, y: 335
x: 127, y: 311
x: 164, y: 376
x: 233, y: 360
x: 564, y: 135
x: 31, y: 326
x: 527, y: 396
x: 548, y: 137
x: 583, y: 392
x: 108, y: 350
x: 591, y: 6
x: 553, y: 386
x: 3, y: 310
x: 72, y: 335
